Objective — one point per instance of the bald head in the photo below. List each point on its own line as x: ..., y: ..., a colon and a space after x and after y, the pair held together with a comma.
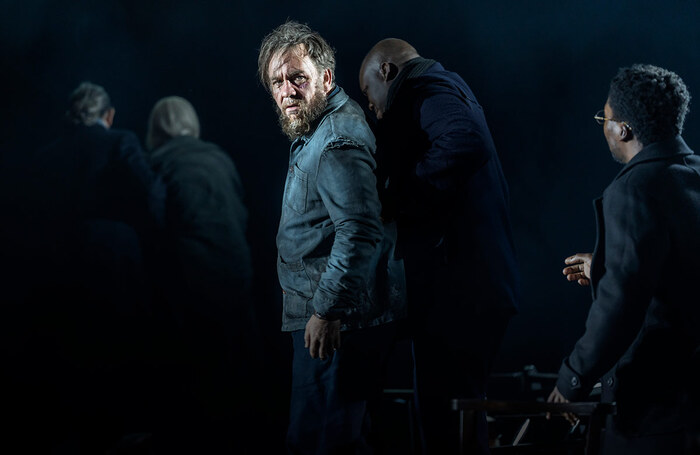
x: 391, y: 50
x: 379, y: 69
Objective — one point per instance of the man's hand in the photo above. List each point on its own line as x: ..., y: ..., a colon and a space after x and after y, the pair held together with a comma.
x: 321, y: 337
x: 557, y: 397
x: 579, y: 268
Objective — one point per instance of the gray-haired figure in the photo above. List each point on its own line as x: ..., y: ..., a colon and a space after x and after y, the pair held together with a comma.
x: 96, y: 205
x: 171, y: 117
x: 90, y: 104
x: 204, y: 281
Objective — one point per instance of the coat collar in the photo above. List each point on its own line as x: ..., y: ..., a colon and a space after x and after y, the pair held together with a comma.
x: 413, y: 68
x: 665, y: 149
x: 336, y: 98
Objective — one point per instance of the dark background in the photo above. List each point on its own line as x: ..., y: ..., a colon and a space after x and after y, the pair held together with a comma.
x: 540, y: 69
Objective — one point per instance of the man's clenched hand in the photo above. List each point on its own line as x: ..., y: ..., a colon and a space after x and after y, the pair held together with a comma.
x: 321, y: 337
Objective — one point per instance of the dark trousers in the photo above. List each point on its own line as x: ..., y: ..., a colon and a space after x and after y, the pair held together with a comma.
x: 442, y: 372
x: 332, y: 400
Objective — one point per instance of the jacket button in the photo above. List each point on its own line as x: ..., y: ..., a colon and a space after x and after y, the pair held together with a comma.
x: 291, y: 168
x: 574, y: 381
x: 610, y: 381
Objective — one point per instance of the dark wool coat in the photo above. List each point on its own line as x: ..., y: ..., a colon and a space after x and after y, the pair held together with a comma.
x: 441, y: 180
x: 204, y: 249
x: 643, y: 330
x: 93, y: 206
x: 209, y: 340
x: 96, y: 206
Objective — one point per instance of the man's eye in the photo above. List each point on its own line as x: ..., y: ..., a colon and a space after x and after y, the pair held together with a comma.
x: 299, y: 79
x: 276, y: 84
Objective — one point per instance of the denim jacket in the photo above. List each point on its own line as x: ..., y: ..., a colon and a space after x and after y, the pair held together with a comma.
x: 330, y: 238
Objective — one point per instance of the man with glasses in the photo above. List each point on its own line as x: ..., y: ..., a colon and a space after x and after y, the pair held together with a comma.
x: 642, y: 335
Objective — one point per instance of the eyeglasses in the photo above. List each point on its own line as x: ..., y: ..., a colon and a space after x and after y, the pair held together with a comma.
x: 601, y: 118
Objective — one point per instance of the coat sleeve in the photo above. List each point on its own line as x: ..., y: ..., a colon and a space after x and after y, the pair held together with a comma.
x: 347, y: 186
x: 635, y: 249
x: 460, y: 142
x: 142, y: 188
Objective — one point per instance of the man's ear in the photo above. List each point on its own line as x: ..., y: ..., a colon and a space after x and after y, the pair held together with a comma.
x: 108, y: 117
x: 389, y: 71
x: 625, y: 133
x: 327, y: 80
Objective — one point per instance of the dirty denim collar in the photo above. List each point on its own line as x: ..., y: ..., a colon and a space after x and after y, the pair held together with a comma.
x: 334, y: 99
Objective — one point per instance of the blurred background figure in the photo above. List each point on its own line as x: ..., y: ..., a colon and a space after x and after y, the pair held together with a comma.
x: 81, y: 369
x: 205, y: 317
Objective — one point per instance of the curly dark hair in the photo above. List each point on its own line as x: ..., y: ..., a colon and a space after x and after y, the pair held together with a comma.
x: 290, y: 35
x: 652, y: 100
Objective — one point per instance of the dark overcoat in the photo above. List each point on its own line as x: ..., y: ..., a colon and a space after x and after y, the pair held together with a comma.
x: 643, y: 330
x: 92, y: 206
x: 95, y: 201
x: 204, y: 247
x: 441, y: 180
x: 209, y: 340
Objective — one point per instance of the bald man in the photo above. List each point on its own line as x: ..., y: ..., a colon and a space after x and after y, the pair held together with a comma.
x: 442, y: 183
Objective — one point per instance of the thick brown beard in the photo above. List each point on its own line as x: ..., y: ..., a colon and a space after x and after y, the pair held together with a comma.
x: 300, y: 123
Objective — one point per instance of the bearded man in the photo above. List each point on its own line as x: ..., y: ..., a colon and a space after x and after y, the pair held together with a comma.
x: 340, y: 288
